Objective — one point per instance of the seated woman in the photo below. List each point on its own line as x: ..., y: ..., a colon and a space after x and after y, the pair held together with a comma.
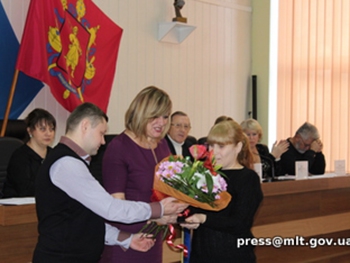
x: 261, y: 153
x: 26, y: 160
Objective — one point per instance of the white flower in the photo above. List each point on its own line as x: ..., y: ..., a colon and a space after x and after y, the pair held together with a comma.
x: 219, y: 183
x: 202, y: 182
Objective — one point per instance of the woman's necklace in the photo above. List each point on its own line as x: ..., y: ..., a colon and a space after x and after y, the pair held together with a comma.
x: 153, y: 152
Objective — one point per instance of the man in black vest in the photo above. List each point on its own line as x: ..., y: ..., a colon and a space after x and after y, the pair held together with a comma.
x: 72, y: 206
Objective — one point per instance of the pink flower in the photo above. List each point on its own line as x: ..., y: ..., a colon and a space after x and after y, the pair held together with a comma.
x: 169, y: 169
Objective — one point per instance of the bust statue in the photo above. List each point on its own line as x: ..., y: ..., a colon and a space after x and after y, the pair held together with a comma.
x: 178, y: 4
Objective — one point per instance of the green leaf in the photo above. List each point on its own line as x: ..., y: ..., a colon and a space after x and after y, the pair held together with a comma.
x: 210, y: 182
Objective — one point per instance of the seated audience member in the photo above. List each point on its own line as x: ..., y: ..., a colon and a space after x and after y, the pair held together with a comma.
x: 304, y: 146
x: 221, y: 118
x: 261, y: 153
x: 27, y: 159
x: 177, y: 136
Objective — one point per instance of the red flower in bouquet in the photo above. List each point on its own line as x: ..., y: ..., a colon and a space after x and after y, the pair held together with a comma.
x: 209, y: 163
x: 198, y: 151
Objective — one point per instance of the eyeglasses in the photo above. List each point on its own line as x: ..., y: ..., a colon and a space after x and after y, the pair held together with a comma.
x: 181, y: 126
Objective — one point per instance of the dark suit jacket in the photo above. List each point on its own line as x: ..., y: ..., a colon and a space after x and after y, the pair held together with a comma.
x: 185, y: 147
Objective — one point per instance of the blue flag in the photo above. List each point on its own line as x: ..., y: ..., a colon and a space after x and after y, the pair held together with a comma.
x: 27, y: 88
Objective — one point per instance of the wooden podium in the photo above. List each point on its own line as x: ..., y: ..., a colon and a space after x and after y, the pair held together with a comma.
x: 309, y: 208
x: 18, y: 233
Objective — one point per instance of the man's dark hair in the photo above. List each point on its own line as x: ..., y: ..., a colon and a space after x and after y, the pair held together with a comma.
x: 85, y: 110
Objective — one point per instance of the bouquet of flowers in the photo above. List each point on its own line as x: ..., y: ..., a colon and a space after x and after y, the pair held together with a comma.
x: 197, y: 183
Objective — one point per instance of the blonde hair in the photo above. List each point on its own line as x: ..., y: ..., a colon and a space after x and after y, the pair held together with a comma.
x: 252, y: 124
x: 230, y: 132
x: 149, y: 103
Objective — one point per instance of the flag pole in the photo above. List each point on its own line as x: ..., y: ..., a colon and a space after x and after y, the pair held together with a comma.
x: 9, y: 103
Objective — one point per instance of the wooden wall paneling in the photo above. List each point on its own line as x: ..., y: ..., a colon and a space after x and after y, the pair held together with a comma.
x: 13, y: 215
x: 335, y: 201
x: 18, y: 233
x: 302, y: 254
x: 306, y: 227
x: 308, y: 208
x: 288, y: 207
x: 17, y: 243
x: 281, y: 214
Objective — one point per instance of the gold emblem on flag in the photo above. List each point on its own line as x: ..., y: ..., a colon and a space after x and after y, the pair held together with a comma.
x: 72, y: 57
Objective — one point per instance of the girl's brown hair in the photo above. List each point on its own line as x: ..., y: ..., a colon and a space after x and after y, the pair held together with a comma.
x: 230, y: 132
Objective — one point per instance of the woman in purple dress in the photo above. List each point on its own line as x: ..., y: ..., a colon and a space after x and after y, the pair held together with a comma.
x: 129, y: 163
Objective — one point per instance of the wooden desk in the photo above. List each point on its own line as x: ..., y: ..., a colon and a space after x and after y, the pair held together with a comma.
x: 307, y: 208
x: 18, y: 233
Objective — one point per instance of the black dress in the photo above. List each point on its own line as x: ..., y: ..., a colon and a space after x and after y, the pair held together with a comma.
x: 216, y: 239
x: 22, y: 170
x: 269, y: 165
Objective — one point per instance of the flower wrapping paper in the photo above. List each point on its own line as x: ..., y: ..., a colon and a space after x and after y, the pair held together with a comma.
x: 166, y: 189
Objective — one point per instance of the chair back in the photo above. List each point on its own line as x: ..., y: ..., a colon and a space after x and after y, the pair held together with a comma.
x: 7, y: 146
x: 16, y: 128
x: 202, y: 140
x: 191, y: 139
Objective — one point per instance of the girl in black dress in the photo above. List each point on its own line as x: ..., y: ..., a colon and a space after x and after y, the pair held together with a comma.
x: 216, y: 234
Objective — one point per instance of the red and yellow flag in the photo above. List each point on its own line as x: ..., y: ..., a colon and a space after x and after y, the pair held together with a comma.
x: 72, y: 46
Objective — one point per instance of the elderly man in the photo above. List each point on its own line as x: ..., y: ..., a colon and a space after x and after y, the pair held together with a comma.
x: 72, y: 206
x: 177, y: 137
x: 304, y: 146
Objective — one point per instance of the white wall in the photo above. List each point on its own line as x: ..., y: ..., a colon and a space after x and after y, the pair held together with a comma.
x: 207, y: 75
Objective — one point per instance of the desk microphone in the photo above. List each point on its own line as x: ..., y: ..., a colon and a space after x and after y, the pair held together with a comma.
x: 272, y: 164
